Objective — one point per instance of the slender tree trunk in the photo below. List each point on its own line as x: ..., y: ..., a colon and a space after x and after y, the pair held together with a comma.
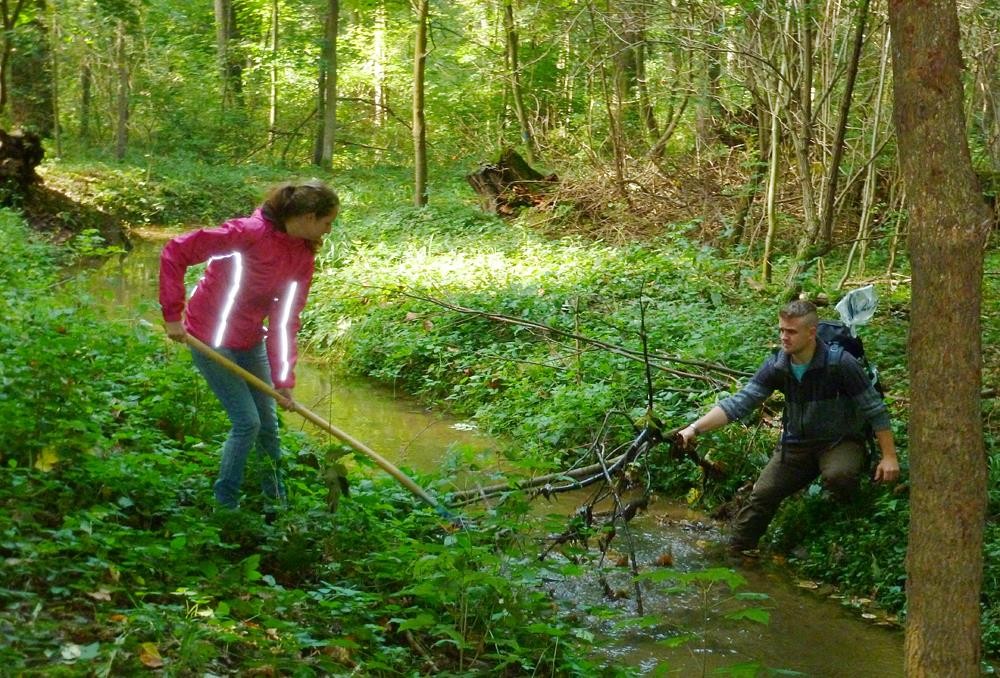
x: 774, y: 155
x: 645, y: 105
x: 674, y: 118
x: 419, y: 129
x: 121, y: 62
x: 949, y: 224
x: 317, y: 155
x: 803, y: 142
x: 272, y: 108
x: 871, y: 176
x: 226, y: 32
x: 329, y: 119
x: 9, y: 18
x: 827, y: 208
x: 85, y: 85
x: 707, y: 106
x: 54, y: 36
x: 378, y: 66
x: 510, y: 30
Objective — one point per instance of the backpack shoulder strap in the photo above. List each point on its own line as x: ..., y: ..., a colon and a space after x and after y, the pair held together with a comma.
x: 836, y: 362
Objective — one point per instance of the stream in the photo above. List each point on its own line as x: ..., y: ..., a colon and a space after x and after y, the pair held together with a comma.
x: 810, y: 631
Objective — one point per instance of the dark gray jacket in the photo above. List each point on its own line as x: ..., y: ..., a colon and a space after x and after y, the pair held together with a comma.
x: 833, y: 401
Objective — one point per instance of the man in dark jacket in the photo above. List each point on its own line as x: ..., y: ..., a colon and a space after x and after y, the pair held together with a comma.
x: 829, y: 403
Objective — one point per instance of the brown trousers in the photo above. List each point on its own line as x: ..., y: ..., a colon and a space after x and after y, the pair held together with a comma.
x: 789, y: 471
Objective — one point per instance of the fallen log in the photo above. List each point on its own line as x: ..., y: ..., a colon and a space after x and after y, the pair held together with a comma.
x: 509, y: 184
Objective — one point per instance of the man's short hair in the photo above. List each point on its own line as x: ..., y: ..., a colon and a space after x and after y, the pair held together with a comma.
x: 800, y: 308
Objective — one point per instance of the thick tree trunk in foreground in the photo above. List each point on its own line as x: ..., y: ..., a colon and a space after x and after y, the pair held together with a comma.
x: 948, y: 226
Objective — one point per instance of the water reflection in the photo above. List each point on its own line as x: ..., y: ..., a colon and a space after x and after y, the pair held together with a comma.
x: 808, y: 632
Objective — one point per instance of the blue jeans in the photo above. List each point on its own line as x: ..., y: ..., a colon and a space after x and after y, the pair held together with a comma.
x: 254, y: 419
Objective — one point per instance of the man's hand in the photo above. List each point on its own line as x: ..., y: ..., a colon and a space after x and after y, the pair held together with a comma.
x: 175, y: 330
x: 285, y: 400
x: 887, y: 470
x: 687, y: 435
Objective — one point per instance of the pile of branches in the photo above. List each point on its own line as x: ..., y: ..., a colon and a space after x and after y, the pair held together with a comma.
x: 614, y: 472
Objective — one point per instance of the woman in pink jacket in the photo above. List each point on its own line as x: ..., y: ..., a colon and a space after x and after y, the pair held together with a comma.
x: 259, y: 267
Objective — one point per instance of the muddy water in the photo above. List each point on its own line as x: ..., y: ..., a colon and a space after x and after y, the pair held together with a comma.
x: 808, y: 632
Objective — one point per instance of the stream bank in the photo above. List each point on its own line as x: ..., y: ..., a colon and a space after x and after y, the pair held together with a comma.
x: 807, y: 632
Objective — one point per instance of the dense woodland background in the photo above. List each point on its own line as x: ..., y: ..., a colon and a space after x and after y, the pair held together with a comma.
x: 696, y: 162
x: 766, y: 124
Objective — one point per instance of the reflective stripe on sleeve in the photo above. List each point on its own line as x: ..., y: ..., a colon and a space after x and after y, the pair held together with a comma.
x: 284, y: 340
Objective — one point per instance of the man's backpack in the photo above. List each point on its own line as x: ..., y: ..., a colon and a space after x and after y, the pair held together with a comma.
x: 837, y: 335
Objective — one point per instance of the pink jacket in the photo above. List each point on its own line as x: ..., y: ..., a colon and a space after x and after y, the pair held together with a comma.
x: 254, y: 271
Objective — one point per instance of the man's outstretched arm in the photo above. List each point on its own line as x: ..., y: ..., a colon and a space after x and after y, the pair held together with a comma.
x: 711, y: 420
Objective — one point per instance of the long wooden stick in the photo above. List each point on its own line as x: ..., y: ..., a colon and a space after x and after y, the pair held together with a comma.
x: 354, y: 443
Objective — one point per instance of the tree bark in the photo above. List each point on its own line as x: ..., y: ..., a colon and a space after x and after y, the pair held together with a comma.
x: 949, y: 224
x: 121, y: 63
x: 9, y: 17
x: 54, y: 41
x: 378, y: 66
x: 419, y: 123
x: 830, y: 195
x: 510, y: 30
x: 226, y: 32
x: 272, y: 107
x: 329, y: 117
x: 85, y: 84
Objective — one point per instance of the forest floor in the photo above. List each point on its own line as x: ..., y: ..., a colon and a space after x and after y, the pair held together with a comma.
x: 586, y: 264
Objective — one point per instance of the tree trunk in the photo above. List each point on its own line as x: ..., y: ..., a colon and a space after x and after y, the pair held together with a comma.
x: 121, y: 62
x: 827, y: 208
x: 378, y: 67
x: 329, y: 118
x: 272, y: 107
x: 802, y: 139
x: 708, y: 109
x: 948, y: 227
x: 85, y: 84
x: 859, y: 246
x: 226, y: 32
x: 54, y: 41
x: 9, y: 18
x: 510, y: 31
x: 419, y: 129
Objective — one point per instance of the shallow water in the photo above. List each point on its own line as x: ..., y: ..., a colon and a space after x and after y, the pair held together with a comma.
x: 808, y: 632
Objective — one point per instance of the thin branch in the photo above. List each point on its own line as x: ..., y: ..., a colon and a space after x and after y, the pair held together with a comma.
x: 611, y: 348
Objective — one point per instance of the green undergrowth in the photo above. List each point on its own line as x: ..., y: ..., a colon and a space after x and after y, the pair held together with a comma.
x: 375, y: 306
x: 551, y: 394
x: 114, y: 562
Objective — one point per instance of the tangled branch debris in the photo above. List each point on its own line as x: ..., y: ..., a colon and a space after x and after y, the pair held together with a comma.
x: 716, y: 375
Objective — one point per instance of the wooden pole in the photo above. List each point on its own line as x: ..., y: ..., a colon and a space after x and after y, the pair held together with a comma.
x: 346, y: 438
